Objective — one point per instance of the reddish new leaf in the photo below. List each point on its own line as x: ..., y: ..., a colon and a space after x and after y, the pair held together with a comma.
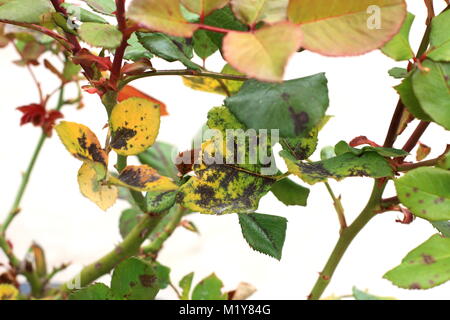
x: 39, y: 117
x: 87, y: 59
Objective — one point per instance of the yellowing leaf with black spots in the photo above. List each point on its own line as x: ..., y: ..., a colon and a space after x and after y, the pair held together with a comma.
x: 134, y: 126
x: 143, y: 178
x: 92, y: 188
x: 221, y: 189
x: 8, y: 292
x: 83, y: 144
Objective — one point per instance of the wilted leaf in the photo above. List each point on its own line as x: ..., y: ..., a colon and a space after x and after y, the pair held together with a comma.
x: 185, y: 285
x: 399, y: 48
x: 163, y: 16
x: 294, y: 107
x: 347, y: 27
x: 209, y: 288
x: 30, y: 11
x: 100, y: 35
x: 424, y: 267
x: 128, y: 92
x: 426, y: 192
x: 143, y: 178
x: 96, y: 291
x: 253, y: 11
x: 104, y: 196
x: 134, y: 279
x: 202, y: 7
x: 254, y: 54
x: 83, y: 144
x: 422, y: 151
x: 134, y: 125
x: 290, y: 193
x: 432, y: 89
x: 264, y: 233
x: 440, y: 38
x: 242, y: 292
x: 369, y: 164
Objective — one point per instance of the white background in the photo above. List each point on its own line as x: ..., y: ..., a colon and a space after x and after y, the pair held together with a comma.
x: 72, y: 229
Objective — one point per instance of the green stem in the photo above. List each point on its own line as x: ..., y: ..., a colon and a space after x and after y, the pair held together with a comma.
x: 164, y: 231
x: 345, y: 239
x: 26, y: 176
x: 338, y: 206
x: 129, y: 247
x: 183, y: 72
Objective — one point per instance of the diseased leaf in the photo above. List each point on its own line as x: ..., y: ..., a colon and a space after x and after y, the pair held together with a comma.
x: 143, y: 178
x: 209, y: 288
x: 343, y: 147
x: 100, y: 35
x: 264, y: 233
x: 254, y: 54
x: 202, y: 7
x: 168, y: 48
x: 422, y: 152
x: 128, y: 220
x: 363, y: 295
x: 163, y: 16
x: 134, y: 125
x: 135, y: 50
x: 163, y: 275
x: 440, y: 38
x: 161, y: 157
x: 128, y: 92
x: 424, y: 267
x: 160, y: 201
x: 29, y: 11
x: 243, y: 291
x: 399, y: 48
x: 104, y: 196
x: 96, y: 291
x: 347, y: 27
x: 253, y: 11
x: 426, y: 192
x: 294, y: 107
x: 107, y: 7
x: 303, y: 147
x: 134, y: 279
x: 443, y: 227
x: 83, y: 144
x: 432, y: 89
x: 290, y: 193
x: 409, y: 99
x: 185, y: 285
x: 369, y: 164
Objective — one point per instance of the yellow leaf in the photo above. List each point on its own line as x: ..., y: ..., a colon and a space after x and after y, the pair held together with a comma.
x: 92, y: 188
x: 83, y: 144
x: 202, y: 7
x: 164, y: 16
x: 253, y: 11
x: 143, y: 178
x: 254, y: 54
x: 134, y: 126
x: 8, y: 292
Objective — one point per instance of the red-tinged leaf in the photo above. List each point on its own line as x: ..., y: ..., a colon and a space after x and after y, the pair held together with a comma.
x: 32, y: 113
x: 87, y: 59
x: 137, y: 67
x: 91, y: 90
x: 422, y: 152
x: 131, y: 92
x: 362, y: 140
x: 50, y: 120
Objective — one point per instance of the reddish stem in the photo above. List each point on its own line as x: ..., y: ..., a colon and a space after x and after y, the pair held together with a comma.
x: 72, y: 38
x: 416, y: 135
x: 214, y: 29
x: 120, y: 51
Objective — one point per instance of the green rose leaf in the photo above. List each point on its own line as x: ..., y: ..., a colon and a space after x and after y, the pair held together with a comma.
x: 399, y: 48
x: 432, y: 89
x: 83, y: 14
x: 134, y: 279
x: 369, y: 164
x: 29, y: 11
x: 185, y: 285
x: 426, y: 192
x: 135, y: 50
x: 96, y: 291
x: 160, y: 157
x: 128, y: 220
x: 209, y: 288
x: 160, y: 201
x: 347, y: 27
x: 409, y: 99
x: 203, y: 45
x: 424, y: 267
x: 264, y: 233
x: 443, y: 227
x: 343, y: 147
x: 168, y: 48
x: 253, y: 11
x: 440, y: 38
x: 294, y: 107
x: 290, y: 193
x: 398, y: 73
x: 100, y: 35
x: 107, y: 7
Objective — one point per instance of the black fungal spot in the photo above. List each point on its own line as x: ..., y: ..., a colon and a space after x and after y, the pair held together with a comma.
x: 147, y: 280
x: 97, y: 154
x: 82, y: 141
x: 427, y: 259
x: 121, y: 136
x: 137, y: 177
x: 207, y: 194
x: 300, y: 120
x: 415, y: 285
x: 285, y: 96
